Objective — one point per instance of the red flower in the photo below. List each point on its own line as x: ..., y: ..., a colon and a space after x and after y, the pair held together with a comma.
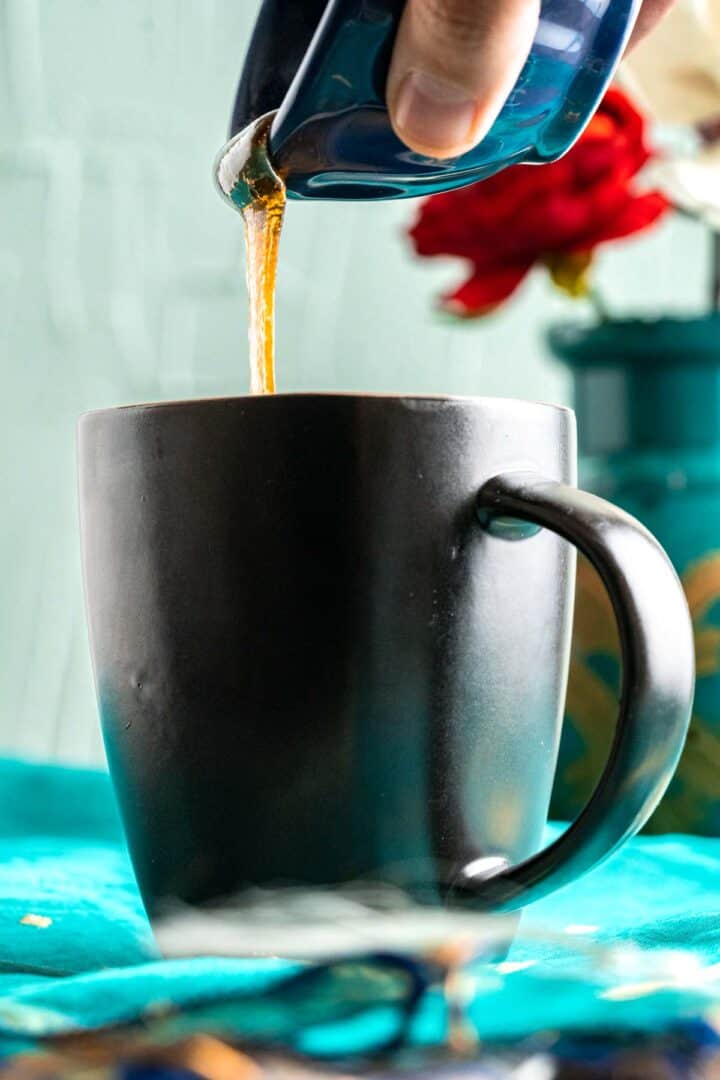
x: 554, y: 214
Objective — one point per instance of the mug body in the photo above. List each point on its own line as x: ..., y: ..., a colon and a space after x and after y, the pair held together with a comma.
x: 313, y: 666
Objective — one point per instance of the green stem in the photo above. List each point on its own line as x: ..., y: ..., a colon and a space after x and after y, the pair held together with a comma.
x: 598, y: 304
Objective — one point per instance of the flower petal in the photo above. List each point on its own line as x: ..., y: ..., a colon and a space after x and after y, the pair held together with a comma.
x: 528, y: 214
x: 481, y: 293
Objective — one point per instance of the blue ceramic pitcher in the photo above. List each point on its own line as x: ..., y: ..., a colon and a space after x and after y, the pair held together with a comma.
x: 322, y: 65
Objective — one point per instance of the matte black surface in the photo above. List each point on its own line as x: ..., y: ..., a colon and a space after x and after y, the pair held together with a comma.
x: 313, y: 663
x: 658, y: 677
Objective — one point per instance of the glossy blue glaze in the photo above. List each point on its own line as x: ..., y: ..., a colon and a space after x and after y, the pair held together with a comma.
x: 332, y: 137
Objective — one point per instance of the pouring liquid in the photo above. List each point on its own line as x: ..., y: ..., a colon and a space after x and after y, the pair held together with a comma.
x: 263, y: 224
x: 246, y: 177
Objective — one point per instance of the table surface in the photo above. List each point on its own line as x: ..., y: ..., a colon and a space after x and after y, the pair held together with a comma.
x: 627, y: 956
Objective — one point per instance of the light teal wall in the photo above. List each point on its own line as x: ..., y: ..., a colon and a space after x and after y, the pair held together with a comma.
x: 120, y: 280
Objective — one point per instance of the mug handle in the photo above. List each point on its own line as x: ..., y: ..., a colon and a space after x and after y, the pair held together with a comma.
x: 657, y: 682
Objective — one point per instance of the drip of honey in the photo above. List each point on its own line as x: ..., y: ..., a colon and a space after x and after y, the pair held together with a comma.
x: 263, y: 225
x: 246, y: 177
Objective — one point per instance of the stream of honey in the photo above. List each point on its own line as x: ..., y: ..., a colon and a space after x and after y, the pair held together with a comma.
x: 259, y: 193
x: 263, y: 218
x: 247, y: 180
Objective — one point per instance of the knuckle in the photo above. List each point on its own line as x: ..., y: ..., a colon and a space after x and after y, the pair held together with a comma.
x: 458, y: 22
x: 464, y: 24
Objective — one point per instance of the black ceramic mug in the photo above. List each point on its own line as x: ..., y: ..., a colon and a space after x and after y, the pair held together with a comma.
x: 330, y: 637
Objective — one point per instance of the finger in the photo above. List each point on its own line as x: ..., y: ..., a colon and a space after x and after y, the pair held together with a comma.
x: 454, y: 64
x: 650, y: 13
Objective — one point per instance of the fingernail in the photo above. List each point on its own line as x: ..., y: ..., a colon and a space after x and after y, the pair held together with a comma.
x: 433, y: 113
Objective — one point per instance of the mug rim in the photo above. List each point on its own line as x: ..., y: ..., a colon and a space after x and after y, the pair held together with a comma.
x: 333, y: 395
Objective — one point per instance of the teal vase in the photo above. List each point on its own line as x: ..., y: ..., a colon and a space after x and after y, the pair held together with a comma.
x: 647, y: 397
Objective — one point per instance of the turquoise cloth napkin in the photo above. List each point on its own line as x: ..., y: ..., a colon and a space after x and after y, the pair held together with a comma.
x: 635, y: 945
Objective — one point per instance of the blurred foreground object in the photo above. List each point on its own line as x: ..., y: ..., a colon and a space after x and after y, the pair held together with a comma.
x: 88, y: 996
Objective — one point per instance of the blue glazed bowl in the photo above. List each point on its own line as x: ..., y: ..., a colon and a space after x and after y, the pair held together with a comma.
x: 332, y: 139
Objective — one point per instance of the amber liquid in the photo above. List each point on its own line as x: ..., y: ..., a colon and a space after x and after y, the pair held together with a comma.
x: 246, y: 177
x: 263, y: 218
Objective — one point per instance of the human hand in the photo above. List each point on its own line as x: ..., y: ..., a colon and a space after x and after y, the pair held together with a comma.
x: 455, y: 62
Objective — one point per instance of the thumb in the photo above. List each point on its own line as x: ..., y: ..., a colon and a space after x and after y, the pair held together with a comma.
x: 454, y: 64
